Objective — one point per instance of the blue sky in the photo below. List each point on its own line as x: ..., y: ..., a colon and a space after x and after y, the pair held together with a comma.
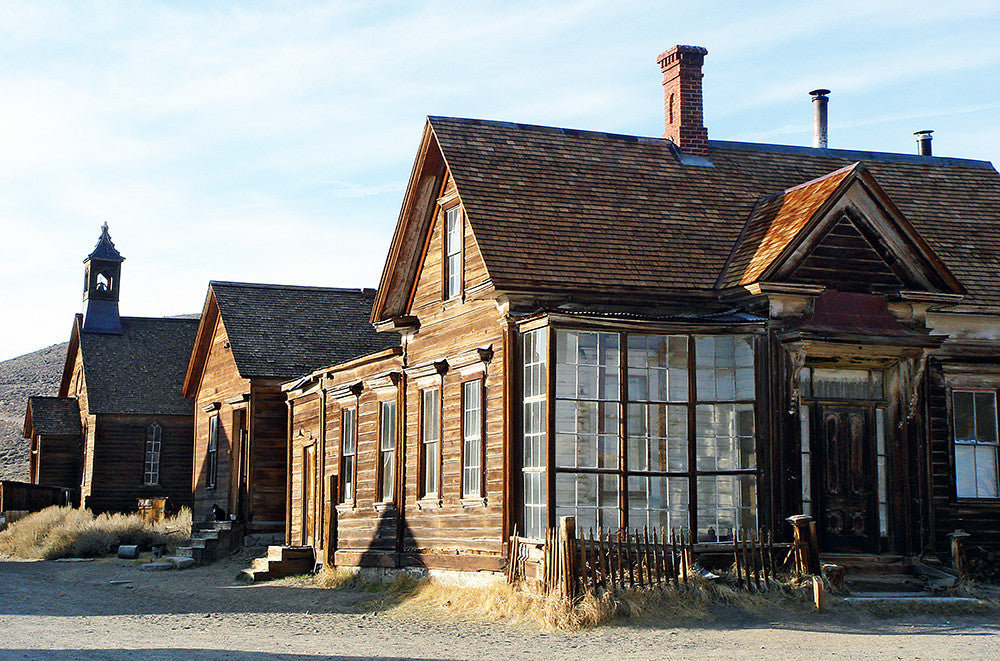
x: 272, y: 141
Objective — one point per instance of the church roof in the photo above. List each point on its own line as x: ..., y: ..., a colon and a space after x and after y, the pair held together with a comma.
x: 105, y: 249
x: 140, y: 371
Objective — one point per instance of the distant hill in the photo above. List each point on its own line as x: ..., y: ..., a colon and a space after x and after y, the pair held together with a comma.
x: 36, y: 373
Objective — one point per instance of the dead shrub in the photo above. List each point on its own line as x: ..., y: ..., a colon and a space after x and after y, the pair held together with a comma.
x: 66, y: 532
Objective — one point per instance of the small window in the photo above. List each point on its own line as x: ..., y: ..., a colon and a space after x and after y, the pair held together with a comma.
x: 348, y: 437
x: 430, y: 436
x: 213, y: 450
x: 104, y: 282
x: 387, y: 449
x: 453, y: 251
x: 472, y: 439
x: 974, y: 415
x: 154, y: 435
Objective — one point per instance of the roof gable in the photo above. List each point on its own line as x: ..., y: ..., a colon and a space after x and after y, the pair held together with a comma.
x: 285, y: 331
x: 839, y: 230
x: 584, y: 215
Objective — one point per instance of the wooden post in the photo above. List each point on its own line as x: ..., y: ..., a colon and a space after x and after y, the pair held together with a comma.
x: 802, y: 533
x: 684, y: 558
x: 736, y: 559
x: 657, y: 558
x: 958, y: 554
x: 753, y: 560
x: 819, y: 594
x: 618, y: 560
x: 605, y: 558
x: 814, y: 567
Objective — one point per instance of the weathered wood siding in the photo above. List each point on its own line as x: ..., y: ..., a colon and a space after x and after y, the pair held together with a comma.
x: 268, y: 466
x: 59, y: 460
x: 119, y: 447
x: 220, y: 382
x: 980, y: 517
x: 305, y: 430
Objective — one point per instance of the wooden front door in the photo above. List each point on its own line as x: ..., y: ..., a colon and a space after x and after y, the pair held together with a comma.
x: 239, y: 466
x: 309, y: 496
x: 847, y: 513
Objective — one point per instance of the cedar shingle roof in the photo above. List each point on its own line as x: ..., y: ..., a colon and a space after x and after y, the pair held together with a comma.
x: 52, y: 415
x: 140, y: 371
x: 775, y: 222
x: 576, y: 211
x: 284, y: 331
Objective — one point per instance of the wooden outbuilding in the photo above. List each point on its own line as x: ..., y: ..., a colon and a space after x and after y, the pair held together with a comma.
x: 676, y: 332
x: 251, y: 337
x: 52, y: 425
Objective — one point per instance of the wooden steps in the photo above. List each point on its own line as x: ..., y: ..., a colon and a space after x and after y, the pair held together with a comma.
x: 211, y: 541
x: 281, y: 561
x: 876, y: 577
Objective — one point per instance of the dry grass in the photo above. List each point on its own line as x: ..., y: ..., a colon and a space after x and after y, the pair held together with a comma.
x: 65, y: 532
x: 699, y: 601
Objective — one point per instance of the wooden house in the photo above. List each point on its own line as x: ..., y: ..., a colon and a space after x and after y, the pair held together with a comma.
x: 666, y: 332
x: 123, y: 378
x: 52, y: 426
x: 251, y: 338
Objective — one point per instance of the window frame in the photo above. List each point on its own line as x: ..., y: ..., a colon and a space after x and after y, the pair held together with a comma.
x: 151, y: 467
x: 447, y: 268
x: 348, y: 478
x: 479, y: 386
x: 381, y: 495
x: 425, y: 492
x: 955, y: 442
x: 212, y: 479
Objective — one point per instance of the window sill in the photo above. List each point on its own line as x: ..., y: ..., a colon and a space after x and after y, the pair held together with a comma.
x: 470, y: 503
x: 384, y: 506
x: 349, y: 506
x: 430, y: 504
x: 985, y: 501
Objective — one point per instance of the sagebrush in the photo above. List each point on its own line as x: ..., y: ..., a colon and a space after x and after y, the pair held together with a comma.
x: 67, y: 532
x: 697, y: 601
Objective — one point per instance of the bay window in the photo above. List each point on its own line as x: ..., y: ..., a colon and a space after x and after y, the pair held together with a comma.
x: 650, y: 430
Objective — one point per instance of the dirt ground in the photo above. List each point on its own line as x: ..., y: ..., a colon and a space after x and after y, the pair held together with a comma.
x: 109, y: 609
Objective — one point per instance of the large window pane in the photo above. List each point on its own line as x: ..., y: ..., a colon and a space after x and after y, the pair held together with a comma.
x: 657, y: 437
x: 725, y: 437
x: 658, y: 502
x: 724, y: 367
x: 592, y: 499
x: 726, y: 503
x: 586, y: 434
x: 587, y: 365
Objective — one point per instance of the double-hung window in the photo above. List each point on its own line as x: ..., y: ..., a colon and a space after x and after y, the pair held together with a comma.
x: 974, y: 416
x: 213, y: 451
x: 472, y: 439
x: 387, y: 449
x: 453, y: 251
x: 348, y: 438
x: 430, y: 438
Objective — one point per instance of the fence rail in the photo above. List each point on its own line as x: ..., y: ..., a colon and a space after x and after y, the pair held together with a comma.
x: 571, y: 564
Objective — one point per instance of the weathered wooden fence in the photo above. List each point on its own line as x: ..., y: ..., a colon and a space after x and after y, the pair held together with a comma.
x: 571, y: 563
x: 26, y: 497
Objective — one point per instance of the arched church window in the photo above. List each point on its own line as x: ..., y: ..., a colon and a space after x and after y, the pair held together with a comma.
x: 154, y: 435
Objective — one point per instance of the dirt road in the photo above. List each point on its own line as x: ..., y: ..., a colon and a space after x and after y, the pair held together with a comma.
x: 112, y: 610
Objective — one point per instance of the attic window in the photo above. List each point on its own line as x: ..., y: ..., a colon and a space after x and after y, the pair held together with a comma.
x: 453, y: 252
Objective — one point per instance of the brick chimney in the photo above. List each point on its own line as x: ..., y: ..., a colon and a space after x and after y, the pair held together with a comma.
x: 681, y: 66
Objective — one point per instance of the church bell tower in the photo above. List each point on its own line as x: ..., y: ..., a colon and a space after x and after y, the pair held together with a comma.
x: 102, y: 279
